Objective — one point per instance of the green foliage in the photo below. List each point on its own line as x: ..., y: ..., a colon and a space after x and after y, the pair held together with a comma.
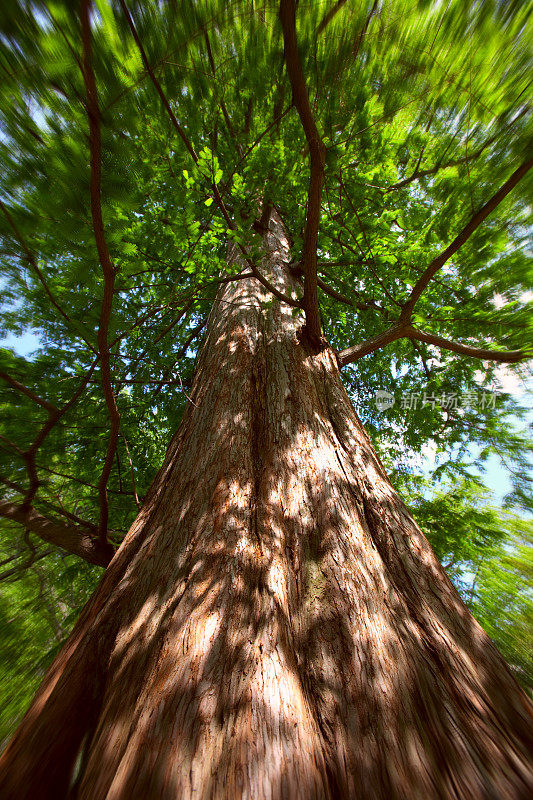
x: 487, y: 554
x: 502, y: 600
x: 41, y: 597
x: 422, y: 108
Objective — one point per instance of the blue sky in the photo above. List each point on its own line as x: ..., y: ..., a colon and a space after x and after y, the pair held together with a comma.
x: 22, y: 345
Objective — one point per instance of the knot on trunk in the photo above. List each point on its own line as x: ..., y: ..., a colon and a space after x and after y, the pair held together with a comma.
x: 315, y: 344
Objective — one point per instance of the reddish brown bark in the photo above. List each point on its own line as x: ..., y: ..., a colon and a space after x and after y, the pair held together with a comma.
x: 74, y: 539
x: 317, y: 158
x: 108, y: 268
x: 275, y: 625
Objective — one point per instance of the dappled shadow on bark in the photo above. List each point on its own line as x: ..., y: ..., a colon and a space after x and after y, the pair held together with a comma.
x: 275, y: 625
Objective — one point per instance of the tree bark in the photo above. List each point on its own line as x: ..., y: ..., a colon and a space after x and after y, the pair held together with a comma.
x: 275, y: 625
x: 73, y: 538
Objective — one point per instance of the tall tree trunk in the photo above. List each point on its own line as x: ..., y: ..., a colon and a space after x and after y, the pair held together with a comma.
x: 275, y: 625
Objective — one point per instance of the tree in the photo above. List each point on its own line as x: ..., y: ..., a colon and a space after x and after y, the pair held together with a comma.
x: 274, y: 623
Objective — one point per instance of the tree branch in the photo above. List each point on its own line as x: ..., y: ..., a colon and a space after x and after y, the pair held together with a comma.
x: 371, y: 260
x: 73, y: 539
x: 78, y: 480
x: 402, y: 330
x: 33, y: 263
x: 22, y: 567
x: 356, y: 352
x: 338, y: 296
x: 132, y: 473
x: 28, y: 392
x: 172, y: 324
x: 17, y: 487
x: 331, y: 291
x: 329, y: 15
x: 364, y: 303
x: 216, y: 193
x: 227, y: 119
x: 54, y: 415
x: 461, y: 238
x: 364, y: 29
x: 156, y: 83
x: 95, y: 148
x: 424, y: 173
x: 317, y: 154
x: 502, y: 356
x: 418, y: 350
x: 180, y: 354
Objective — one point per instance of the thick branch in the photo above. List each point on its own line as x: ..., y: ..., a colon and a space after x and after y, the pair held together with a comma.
x: 463, y: 237
x: 503, y: 356
x: 356, y: 352
x: 403, y: 330
x: 73, y: 539
x: 17, y: 487
x: 317, y: 153
x: 95, y: 148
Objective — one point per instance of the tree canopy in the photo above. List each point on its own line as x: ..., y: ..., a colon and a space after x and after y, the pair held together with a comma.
x: 139, y: 139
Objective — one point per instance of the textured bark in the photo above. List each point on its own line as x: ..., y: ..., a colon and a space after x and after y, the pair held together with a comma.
x: 275, y: 624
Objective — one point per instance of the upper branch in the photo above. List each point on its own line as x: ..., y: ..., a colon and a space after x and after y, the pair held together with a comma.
x: 28, y: 392
x: 402, y: 328
x: 227, y: 118
x: 156, y: 83
x: 317, y: 153
x: 33, y: 264
x: 503, y: 356
x: 406, y: 331
x: 441, y: 164
x: 216, y: 192
x: 108, y: 270
x: 462, y: 237
x: 329, y: 15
